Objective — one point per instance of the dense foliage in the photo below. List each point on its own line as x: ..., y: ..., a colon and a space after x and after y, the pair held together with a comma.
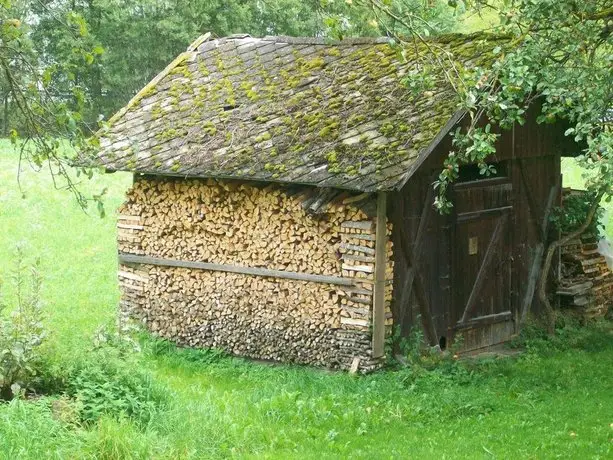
x: 43, y: 100
x: 561, y: 56
x: 576, y: 207
x: 129, y: 33
x: 106, y: 386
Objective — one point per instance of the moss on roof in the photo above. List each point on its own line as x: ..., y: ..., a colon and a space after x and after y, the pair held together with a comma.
x: 292, y: 110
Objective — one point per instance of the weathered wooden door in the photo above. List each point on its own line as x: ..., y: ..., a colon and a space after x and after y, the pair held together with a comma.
x: 482, y: 306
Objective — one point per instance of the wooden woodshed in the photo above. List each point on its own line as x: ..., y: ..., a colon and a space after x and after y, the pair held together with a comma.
x: 282, y: 202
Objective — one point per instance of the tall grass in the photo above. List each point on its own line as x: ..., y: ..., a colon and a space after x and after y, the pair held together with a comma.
x: 553, y: 401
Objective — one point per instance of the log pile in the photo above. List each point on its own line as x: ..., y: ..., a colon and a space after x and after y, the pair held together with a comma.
x: 301, y: 230
x: 586, y: 284
x: 357, y: 255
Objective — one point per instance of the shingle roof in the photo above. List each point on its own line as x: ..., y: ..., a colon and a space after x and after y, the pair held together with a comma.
x: 299, y: 110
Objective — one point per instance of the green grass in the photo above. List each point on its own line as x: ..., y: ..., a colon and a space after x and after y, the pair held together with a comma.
x: 76, y: 250
x: 558, y: 404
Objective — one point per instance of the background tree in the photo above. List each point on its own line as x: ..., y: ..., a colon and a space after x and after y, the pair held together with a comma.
x: 140, y: 37
x: 43, y: 101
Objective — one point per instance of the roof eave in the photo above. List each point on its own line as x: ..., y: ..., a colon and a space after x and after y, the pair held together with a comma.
x: 243, y: 178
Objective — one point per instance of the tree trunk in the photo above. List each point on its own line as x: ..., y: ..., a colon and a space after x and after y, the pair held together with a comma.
x: 553, y: 247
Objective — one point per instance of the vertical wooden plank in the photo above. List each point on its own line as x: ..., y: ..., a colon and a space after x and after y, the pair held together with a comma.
x: 533, y: 277
x: 418, y: 245
x: 378, y: 329
x: 539, y: 253
x: 408, y: 276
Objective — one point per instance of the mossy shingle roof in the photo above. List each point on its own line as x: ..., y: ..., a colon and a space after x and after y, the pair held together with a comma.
x: 295, y: 110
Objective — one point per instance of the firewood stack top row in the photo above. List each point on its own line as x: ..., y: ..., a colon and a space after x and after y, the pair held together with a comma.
x: 231, y: 224
x: 586, y: 284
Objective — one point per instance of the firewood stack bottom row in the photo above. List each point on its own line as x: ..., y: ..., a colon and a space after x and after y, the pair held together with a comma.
x: 262, y: 317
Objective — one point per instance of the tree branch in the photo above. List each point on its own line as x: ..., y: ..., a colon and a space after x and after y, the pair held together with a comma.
x: 553, y: 247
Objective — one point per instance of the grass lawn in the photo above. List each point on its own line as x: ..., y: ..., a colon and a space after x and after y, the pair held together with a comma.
x: 541, y: 405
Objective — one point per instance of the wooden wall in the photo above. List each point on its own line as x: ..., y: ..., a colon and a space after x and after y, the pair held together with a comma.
x: 531, y: 157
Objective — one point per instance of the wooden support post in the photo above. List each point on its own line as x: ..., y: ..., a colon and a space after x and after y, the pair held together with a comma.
x: 378, y: 329
x: 533, y: 277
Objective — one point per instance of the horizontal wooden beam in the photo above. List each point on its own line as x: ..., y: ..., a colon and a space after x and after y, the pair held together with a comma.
x: 359, y: 225
x: 473, y: 215
x: 356, y: 248
x: 480, y: 321
x: 480, y: 183
x: 146, y: 260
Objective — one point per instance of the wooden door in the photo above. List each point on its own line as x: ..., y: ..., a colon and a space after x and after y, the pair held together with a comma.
x: 482, y: 306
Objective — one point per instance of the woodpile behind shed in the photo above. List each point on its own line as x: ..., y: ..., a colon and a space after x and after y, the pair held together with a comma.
x: 284, y: 274
x: 586, y: 282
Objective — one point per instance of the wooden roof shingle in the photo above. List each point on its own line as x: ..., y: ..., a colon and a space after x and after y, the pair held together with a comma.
x: 290, y: 110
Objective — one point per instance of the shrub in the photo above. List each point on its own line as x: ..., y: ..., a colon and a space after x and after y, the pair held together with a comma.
x: 570, y: 333
x: 576, y: 207
x: 21, y: 334
x: 106, y: 386
x: 117, y: 338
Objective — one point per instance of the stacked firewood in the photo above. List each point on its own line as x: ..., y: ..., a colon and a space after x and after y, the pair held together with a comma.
x: 586, y: 284
x: 237, y: 223
x: 263, y: 318
x: 357, y: 250
x: 299, y: 230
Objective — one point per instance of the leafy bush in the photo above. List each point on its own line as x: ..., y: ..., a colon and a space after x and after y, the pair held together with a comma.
x: 118, y: 338
x: 104, y: 382
x: 21, y: 334
x: 570, y: 333
x: 107, y: 386
x: 573, y: 213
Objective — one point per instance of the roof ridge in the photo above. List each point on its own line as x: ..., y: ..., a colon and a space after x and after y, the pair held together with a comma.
x: 351, y: 41
x: 199, y: 41
x: 305, y: 40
